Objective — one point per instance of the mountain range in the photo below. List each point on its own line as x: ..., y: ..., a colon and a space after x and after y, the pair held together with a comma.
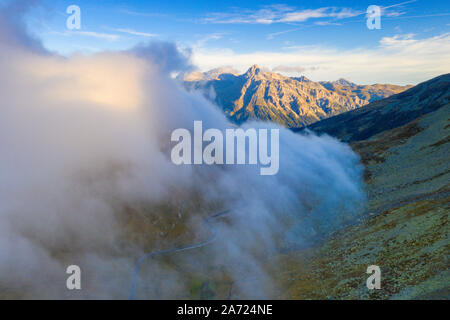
x: 291, y: 102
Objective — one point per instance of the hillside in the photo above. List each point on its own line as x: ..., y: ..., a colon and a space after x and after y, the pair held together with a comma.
x: 405, y: 152
x: 291, y: 102
x: 389, y: 113
x: 405, y: 226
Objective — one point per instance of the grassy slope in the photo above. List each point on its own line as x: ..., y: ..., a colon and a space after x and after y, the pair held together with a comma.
x: 406, y: 232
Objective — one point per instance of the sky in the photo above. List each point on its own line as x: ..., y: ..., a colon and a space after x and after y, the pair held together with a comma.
x: 323, y: 40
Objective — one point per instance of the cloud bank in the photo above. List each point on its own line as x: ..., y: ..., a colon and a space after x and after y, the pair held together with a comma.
x: 406, y: 59
x: 85, y: 166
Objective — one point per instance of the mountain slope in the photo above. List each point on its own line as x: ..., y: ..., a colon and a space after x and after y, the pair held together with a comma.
x: 291, y: 102
x: 389, y: 113
x: 404, y: 231
x: 367, y: 93
x: 406, y: 228
x: 214, y: 74
x: 403, y: 142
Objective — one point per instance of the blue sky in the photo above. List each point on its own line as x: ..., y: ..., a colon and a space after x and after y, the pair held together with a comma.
x: 239, y: 33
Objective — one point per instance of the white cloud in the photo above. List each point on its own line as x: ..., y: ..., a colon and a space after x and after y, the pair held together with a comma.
x: 142, y: 14
x: 106, y: 36
x: 300, y: 16
x: 398, y: 40
x: 206, y: 38
x: 85, y: 145
x: 292, y: 70
x: 392, y: 14
x: 327, y: 12
x: 400, y: 59
x: 345, y: 13
x: 399, y: 4
x: 279, y: 14
x: 274, y: 34
x: 136, y: 33
x: 327, y: 23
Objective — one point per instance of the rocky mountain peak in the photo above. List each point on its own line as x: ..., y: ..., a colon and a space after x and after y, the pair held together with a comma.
x: 292, y: 102
x: 344, y: 82
x: 253, y: 71
x: 215, y: 74
x: 301, y: 79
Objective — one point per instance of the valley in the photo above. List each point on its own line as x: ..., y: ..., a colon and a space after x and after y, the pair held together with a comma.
x: 404, y: 229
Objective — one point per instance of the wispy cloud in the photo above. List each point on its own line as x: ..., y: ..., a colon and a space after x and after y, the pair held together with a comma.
x: 327, y: 23
x: 331, y: 16
x: 387, y: 11
x: 303, y: 15
x: 420, y: 16
x: 326, y: 12
x: 401, y: 59
x: 136, y: 33
x: 292, y: 69
x: 278, y: 14
x: 392, y: 13
x: 275, y: 34
x: 99, y: 35
x: 209, y: 37
x: 142, y: 14
x: 106, y: 36
x: 399, y: 4
x: 398, y: 40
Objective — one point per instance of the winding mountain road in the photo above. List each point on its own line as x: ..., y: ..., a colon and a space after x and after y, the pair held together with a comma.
x: 174, y: 250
